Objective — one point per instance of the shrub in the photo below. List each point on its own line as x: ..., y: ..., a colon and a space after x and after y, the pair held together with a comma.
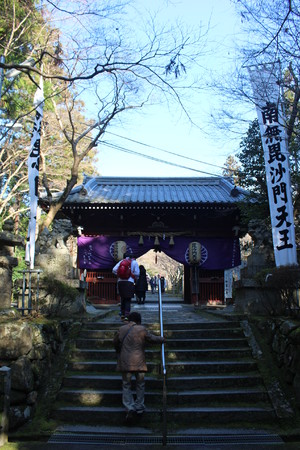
x: 58, y: 296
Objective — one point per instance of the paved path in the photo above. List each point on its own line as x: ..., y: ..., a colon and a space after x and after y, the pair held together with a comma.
x: 174, y: 311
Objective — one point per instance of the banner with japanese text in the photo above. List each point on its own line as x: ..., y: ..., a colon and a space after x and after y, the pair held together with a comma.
x: 33, y: 174
x: 266, y: 90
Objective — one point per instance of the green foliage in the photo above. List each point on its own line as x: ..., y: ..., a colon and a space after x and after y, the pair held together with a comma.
x: 56, y: 298
x: 18, y: 97
x: 17, y: 271
x: 13, y: 15
x: 252, y: 176
x: 60, y: 290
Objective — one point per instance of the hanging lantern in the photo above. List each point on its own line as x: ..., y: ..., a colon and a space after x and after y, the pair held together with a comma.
x: 194, y: 252
x: 120, y: 248
x: 171, y: 243
x: 141, y: 240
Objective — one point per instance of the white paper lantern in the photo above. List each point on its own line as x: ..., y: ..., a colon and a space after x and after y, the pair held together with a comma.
x: 119, y: 250
x: 194, y: 252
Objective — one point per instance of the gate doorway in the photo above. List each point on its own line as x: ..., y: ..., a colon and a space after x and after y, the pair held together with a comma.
x: 102, y: 284
x: 160, y: 264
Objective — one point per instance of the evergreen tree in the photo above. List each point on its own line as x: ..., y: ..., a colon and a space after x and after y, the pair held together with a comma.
x: 252, y: 175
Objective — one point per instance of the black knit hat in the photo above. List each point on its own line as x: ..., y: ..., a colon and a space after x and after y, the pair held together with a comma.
x: 135, y: 317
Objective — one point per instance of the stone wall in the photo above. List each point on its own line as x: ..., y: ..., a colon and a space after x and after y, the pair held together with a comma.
x: 29, y: 350
x: 56, y: 251
x: 56, y: 258
x: 249, y: 296
x: 5, y: 382
x: 284, y: 340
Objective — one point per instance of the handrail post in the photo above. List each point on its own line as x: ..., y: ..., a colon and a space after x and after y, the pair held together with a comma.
x: 164, y: 370
x: 23, y: 292
x: 28, y: 286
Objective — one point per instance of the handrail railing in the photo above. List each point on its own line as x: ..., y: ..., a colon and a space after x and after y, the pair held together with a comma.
x: 28, y: 287
x: 163, y: 367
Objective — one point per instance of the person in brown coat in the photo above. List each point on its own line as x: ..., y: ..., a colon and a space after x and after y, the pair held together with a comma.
x: 129, y: 343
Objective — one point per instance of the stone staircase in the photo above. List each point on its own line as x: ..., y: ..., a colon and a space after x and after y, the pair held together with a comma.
x: 212, y: 380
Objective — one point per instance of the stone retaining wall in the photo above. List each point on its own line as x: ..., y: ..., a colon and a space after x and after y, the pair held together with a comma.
x: 284, y: 340
x: 29, y: 350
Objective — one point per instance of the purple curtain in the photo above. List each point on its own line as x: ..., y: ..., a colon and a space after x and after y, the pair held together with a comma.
x: 216, y: 253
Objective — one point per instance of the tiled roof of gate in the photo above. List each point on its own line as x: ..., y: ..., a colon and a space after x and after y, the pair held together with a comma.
x: 114, y: 190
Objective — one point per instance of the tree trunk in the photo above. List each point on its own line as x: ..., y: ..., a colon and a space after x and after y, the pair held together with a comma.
x: 53, y: 210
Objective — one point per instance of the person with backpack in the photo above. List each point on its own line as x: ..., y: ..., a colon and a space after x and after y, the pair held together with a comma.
x: 127, y: 271
x: 129, y: 342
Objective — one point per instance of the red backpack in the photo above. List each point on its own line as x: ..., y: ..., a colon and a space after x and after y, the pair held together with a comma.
x: 124, y: 269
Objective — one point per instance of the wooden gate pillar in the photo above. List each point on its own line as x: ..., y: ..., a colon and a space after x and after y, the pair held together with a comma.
x: 194, y: 285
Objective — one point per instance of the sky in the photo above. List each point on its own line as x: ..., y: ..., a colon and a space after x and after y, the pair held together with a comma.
x: 156, y: 131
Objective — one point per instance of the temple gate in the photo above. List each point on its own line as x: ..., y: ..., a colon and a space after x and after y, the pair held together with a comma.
x: 195, y: 221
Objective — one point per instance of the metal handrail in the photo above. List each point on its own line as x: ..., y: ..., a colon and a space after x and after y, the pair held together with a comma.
x: 29, y: 300
x: 163, y: 368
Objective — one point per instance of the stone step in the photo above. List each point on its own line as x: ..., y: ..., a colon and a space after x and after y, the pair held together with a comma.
x: 167, y: 326
x: 199, y: 367
x: 90, y: 381
x: 87, y: 354
x: 205, y: 354
x: 82, y: 343
x: 140, y: 438
x: 205, y: 343
x: 94, y: 343
x: 174, y: 334
x: 113, y: 397
x: 181, y: 415
x: 211, y: 378
x: 191, y: 355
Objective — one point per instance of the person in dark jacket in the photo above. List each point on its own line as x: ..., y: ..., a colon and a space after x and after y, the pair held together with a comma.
x: 129, y: 343
x: 162, y: 284
x: 141, y: 285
